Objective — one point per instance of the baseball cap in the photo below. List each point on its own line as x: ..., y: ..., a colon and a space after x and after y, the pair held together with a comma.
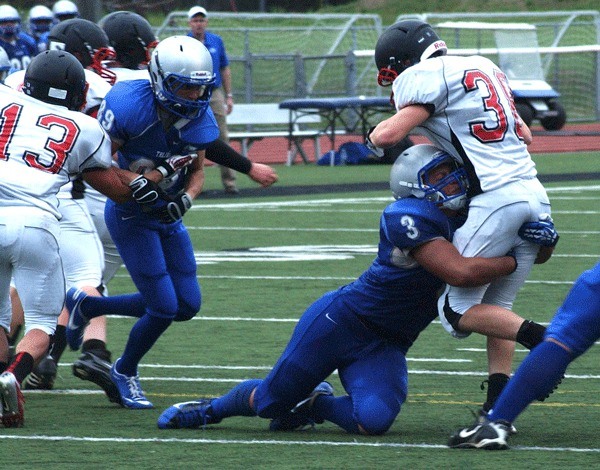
x: 197, y: 11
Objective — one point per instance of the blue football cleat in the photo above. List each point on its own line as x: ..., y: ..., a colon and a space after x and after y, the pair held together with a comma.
x: 132, y: 395
x: 189, y: 414
x: 301, y: 415
x: 77, y: 321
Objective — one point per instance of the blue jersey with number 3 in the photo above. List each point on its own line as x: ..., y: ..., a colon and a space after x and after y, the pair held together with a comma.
x: 396, y: 295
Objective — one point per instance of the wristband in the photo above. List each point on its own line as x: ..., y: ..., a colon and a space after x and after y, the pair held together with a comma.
x: 162, y: 170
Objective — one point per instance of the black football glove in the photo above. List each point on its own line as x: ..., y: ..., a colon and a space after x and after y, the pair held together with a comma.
x: 145, y: 192
x: 175, y: 208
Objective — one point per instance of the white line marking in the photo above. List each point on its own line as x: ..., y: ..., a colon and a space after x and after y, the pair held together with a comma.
x: 253, y: 442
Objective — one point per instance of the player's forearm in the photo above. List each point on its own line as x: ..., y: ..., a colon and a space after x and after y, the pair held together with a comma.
x: 479, y: 271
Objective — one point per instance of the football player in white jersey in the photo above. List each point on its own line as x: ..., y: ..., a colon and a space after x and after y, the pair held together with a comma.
x: 464, y: 105
x: 81, y: 249
x: 44, y: 141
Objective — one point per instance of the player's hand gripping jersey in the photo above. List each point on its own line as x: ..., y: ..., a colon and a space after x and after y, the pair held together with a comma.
x: 473, y: 114
x: 56, y: 149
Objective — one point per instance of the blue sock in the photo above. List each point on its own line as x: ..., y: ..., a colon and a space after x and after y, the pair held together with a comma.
x: 142, y: 337
x: 338, y: 410
x: 130, y: 305
x: 536, y: 377
x: 237, y: 401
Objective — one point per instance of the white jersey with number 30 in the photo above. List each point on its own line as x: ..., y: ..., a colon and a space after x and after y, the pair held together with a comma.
x: 41, y: 145
x: 474, y: 117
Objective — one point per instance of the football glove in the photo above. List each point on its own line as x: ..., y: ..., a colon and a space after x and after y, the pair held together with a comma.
x: 175, y: 208
x: 174, y: 163
x: 377, y: 151
x: 541, y: 232
x: 144, y: 191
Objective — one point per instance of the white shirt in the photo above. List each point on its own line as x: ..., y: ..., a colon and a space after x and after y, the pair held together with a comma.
x: 41, y: 147
x: 473, y: 117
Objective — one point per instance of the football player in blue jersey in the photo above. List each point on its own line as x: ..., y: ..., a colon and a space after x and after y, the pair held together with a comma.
x: 574, y: 329
x: 150, y: 122
x: 19, y: 46
x: 364, y: 329
x: 40, y: 22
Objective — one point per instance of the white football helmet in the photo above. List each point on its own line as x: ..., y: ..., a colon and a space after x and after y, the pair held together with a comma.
x: 65, y: 10
x: 180, y: 61
x: 410, y: 177
x: 40, y: 20
x: 9, y: 14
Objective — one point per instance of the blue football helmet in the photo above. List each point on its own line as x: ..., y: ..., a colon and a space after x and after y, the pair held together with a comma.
x: 410, y: 177
x: 177, y: 62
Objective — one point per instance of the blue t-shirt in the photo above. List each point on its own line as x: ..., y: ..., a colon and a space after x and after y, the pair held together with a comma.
x: 216, y: 47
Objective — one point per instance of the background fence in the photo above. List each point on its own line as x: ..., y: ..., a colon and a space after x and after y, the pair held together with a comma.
x: 280, y: 56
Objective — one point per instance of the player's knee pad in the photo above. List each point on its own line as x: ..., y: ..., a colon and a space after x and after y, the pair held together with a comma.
x: 375, y: 415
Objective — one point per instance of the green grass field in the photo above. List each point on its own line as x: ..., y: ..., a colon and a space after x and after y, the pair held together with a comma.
x: 256, y: 282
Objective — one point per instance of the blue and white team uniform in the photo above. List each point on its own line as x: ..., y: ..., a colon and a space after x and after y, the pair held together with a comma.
x: 363, y: 329
x: 159, y: 256
x: 20, y: 50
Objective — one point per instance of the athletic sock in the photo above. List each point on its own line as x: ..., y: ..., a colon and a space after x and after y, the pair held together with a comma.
x: 236, y: 402
x: 496, y: 383
x: 536, y: 377
x: 338, y: 410
x: 97, y: 347
x: 142, y: 337
x: 130, y: 305
x: 21, y: 366
x: 59, y: 343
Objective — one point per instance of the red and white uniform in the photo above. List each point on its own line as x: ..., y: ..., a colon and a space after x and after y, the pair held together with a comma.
x: 41, y: 147
x: 80, y: 246
x: 474, y: 119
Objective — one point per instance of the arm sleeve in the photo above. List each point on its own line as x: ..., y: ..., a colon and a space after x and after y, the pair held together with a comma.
x: 222, y: 154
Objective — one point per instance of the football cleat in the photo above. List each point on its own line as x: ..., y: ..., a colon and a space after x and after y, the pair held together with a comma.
x: 189, y: 414
x: 301, y: 415
x: 77, y: 321
x: 481, y: 418
x: 92, y: 367
x: 12, y: 401
x: 42, y: 376
x: 130, y: 391
x: 491, y: 435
